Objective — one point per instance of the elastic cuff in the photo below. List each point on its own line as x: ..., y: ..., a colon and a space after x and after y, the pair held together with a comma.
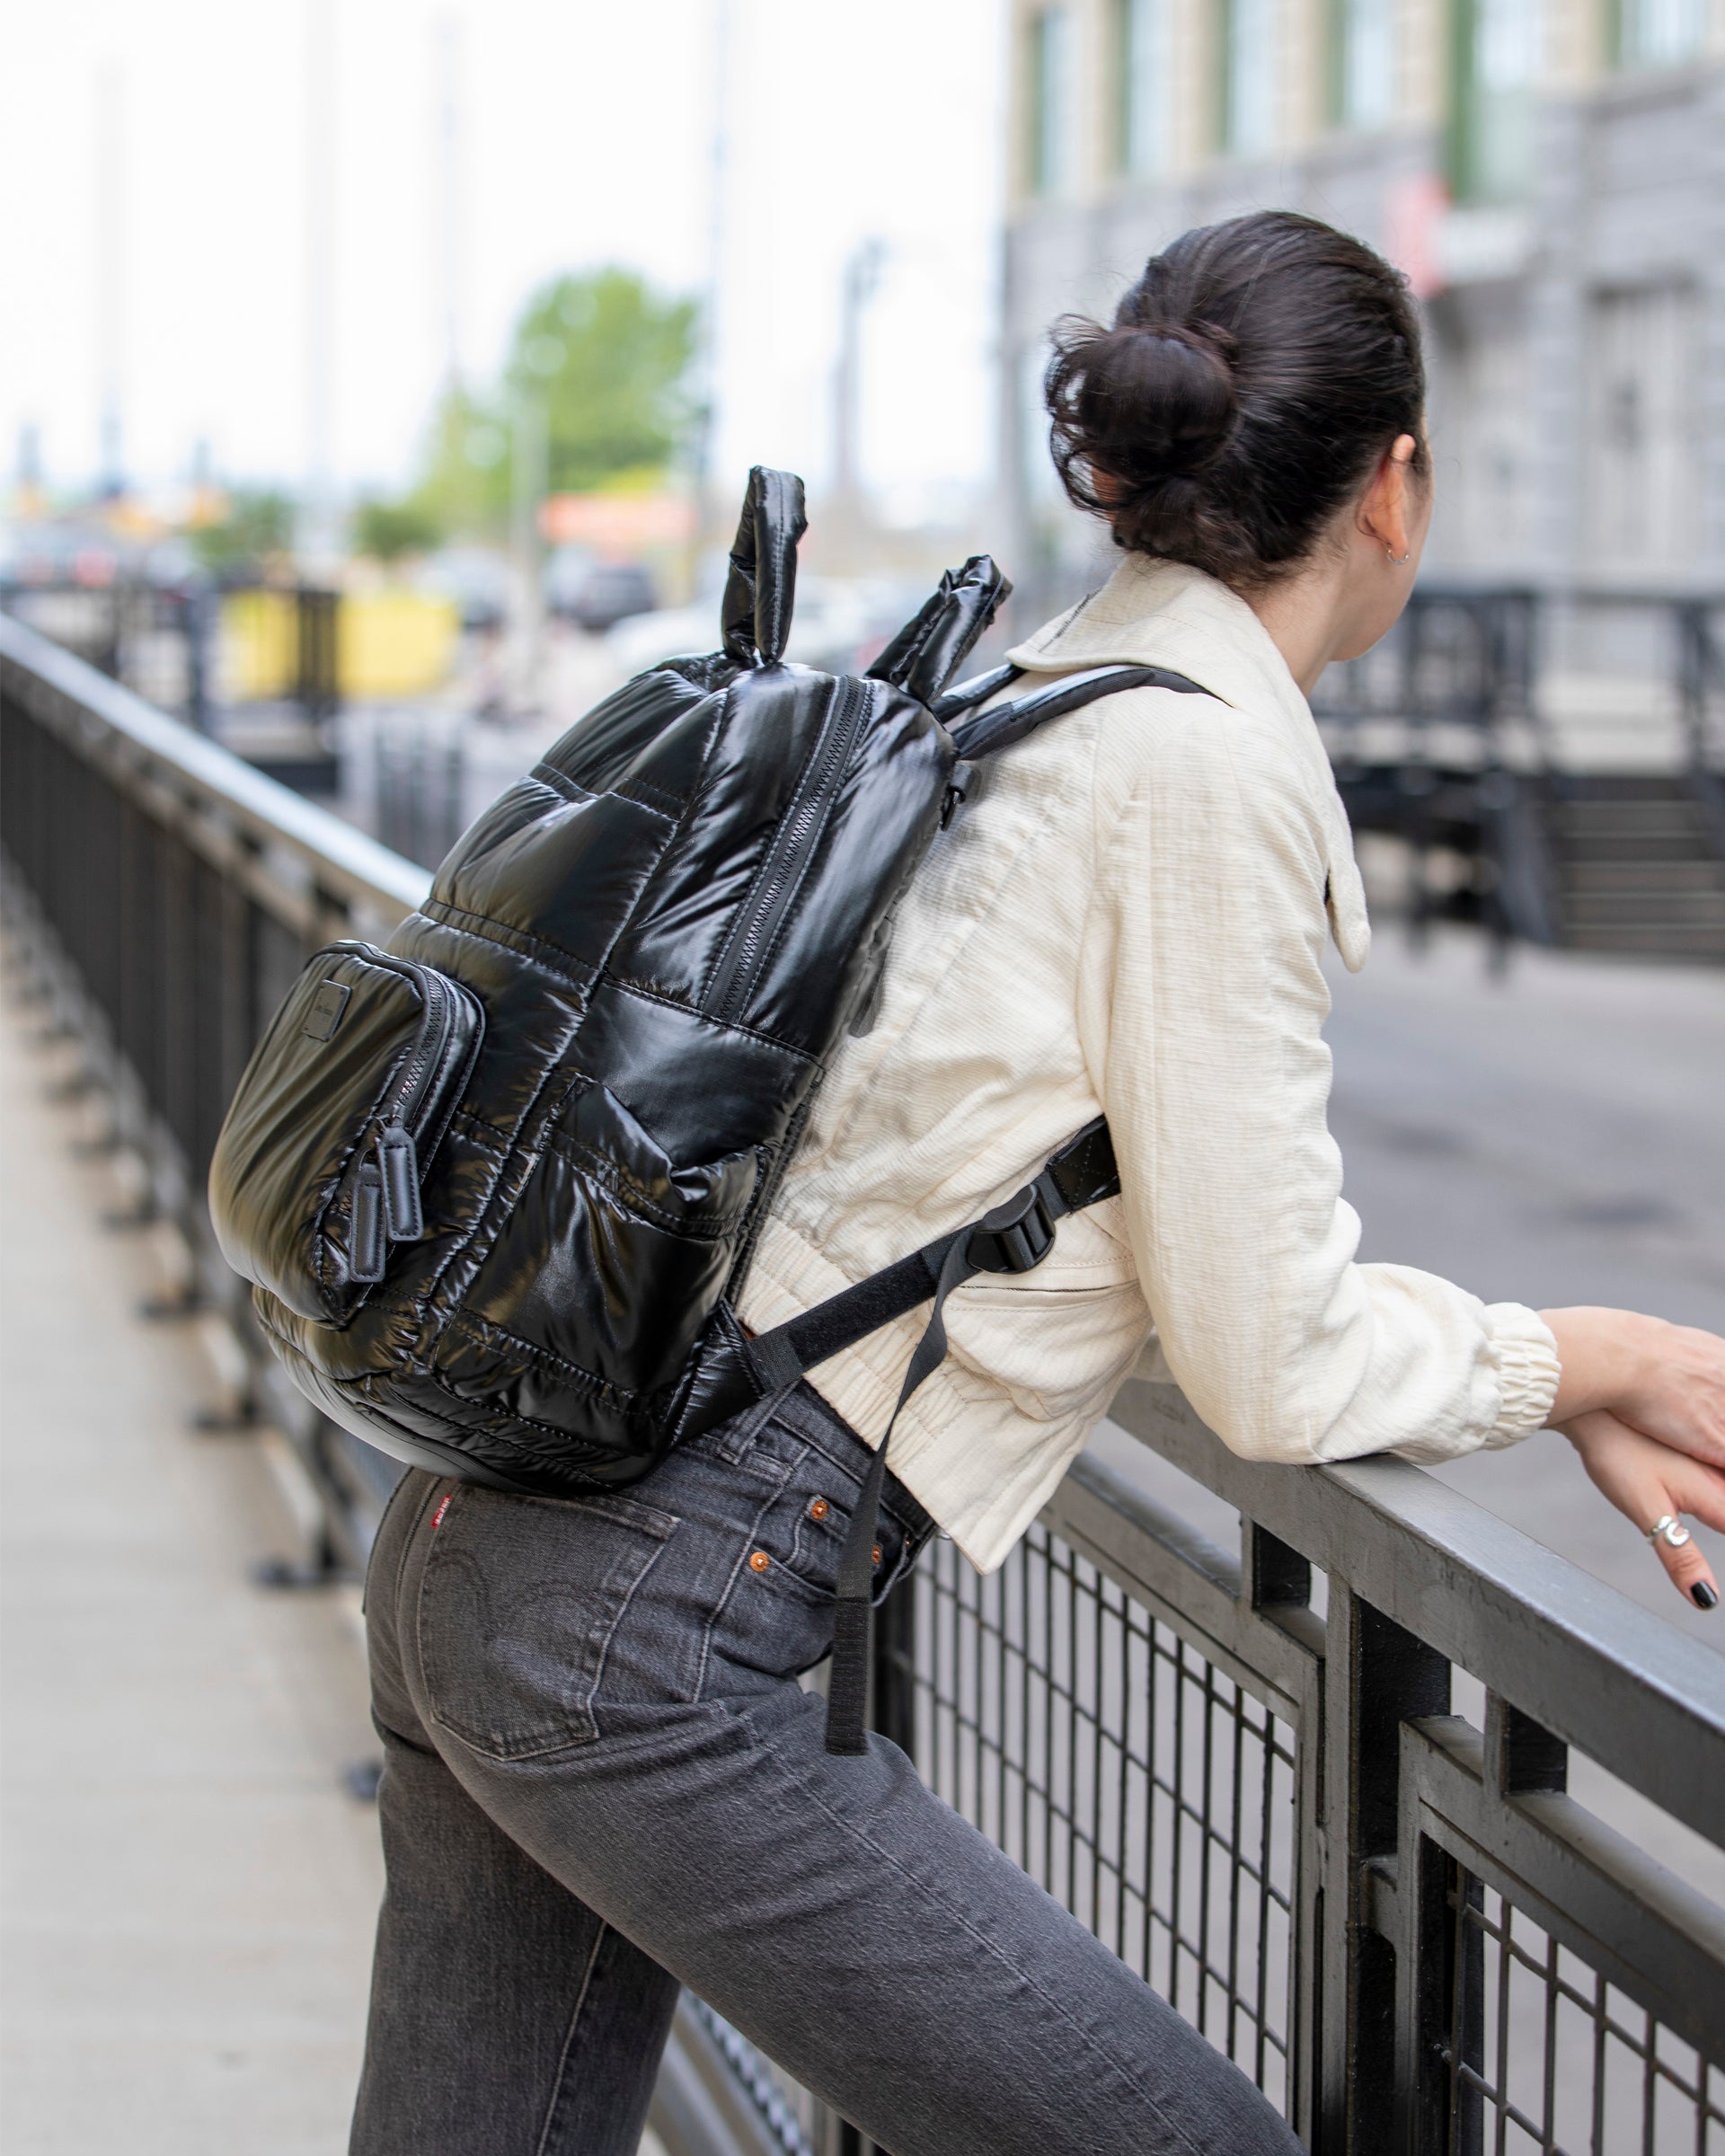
x: 1528, y: 1370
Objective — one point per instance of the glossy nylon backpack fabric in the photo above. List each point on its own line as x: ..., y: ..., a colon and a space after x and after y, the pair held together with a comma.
x: 497, y: 1187
x: 615, y: 1003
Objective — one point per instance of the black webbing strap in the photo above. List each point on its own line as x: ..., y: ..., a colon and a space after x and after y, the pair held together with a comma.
x: 1001, y: 724
x: 1013, y: 1238
x: 965, y: 695
x: 847, y: 1690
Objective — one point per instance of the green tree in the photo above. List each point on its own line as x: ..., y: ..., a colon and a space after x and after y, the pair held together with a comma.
x: 611, y: 359
x: 257, y: 530
x: 390, y: 531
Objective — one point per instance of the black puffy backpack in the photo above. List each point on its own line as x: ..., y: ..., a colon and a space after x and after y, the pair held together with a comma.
x: 496, y: 1186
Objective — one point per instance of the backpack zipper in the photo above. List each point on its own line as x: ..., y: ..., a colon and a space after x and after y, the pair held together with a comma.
x: 439, y: 1020
x: 777, y: 882
x: 396, y: 1192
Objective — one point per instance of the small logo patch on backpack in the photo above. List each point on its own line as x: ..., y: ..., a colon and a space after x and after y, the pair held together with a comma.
x: 444, y: 1504
x: 327, y: 1006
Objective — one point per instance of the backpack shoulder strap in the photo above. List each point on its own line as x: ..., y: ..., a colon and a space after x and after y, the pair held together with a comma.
x: 1013, y: 1238
x: 1001, y: 724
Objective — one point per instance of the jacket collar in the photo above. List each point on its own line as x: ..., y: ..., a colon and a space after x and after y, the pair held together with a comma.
x: 1163, y: 614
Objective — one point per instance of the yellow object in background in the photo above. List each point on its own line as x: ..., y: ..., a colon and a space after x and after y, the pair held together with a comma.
x: 259, y: 646
x: 388, y: 643
x: 394, y: 643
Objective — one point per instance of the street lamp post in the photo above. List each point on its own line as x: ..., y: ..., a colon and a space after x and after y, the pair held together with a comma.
x: 529, y: 462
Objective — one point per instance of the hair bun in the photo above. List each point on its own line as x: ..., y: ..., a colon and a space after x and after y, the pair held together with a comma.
x: 1142, y: 404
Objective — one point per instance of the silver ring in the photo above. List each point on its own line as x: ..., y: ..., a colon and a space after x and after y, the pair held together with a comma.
x: 1670, y: 1531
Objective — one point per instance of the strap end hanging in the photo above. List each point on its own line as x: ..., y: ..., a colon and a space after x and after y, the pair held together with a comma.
x: 847, y: 1691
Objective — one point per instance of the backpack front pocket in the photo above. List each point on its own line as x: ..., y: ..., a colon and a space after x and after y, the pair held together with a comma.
x: 321, y: 1163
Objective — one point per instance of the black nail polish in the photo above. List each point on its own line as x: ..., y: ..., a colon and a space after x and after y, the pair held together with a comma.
x: 1703, y: 1596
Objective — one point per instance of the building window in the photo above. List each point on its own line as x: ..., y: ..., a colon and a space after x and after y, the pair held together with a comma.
x: 1643, y: 392
x: 1485, y: 432
x: 1050, y: 100
x: 1497, y: 70
x: 1659, y: 33
x: 1248, y: 82
x: 1143, y: 46
x: 1364, y: 63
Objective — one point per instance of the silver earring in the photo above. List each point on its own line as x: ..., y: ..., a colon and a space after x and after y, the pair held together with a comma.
x: 1398, y: 560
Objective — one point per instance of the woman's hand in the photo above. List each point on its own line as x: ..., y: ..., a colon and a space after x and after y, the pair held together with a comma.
x: 1665, y: 1381
x: 1647, y: 1481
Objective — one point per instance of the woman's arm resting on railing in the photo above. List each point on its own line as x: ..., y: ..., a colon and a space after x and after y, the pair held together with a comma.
x: 1201, y: 1010
x: 1643, y: 1403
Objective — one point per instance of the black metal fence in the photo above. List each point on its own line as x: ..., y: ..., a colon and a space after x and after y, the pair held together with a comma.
x: 418, y: 782
x: 172, y: 894
x: 1313, y: 1786
x: 1451, y: 737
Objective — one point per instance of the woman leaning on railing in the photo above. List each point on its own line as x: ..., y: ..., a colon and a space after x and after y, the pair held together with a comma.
x: 593, y: 1794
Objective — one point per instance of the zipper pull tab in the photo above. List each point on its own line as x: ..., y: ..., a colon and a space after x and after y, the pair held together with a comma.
x: 399, y: 1163
x: 365, y: 1226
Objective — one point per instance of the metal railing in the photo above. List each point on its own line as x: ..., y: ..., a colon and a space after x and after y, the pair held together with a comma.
x: 1701, y: 682
x: 1314, y: 1788
x: 1452, y: 736
x: 169, y: 895
x: 160, y: 639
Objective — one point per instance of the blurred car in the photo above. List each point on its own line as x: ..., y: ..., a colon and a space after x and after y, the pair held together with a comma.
x: 605, y: 594
x: 476, y: 579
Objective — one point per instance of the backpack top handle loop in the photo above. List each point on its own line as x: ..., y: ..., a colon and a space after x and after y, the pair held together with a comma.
x: 760, y: 592
x: 929, y: 650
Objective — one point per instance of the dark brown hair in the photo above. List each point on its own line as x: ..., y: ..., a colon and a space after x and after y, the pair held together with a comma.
x: 1255, y: 375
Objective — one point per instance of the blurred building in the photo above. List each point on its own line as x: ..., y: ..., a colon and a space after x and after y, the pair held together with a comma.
x: 1551, y: 173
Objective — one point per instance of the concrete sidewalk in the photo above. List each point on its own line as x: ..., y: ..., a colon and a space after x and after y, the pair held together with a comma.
x: 189, y: 1889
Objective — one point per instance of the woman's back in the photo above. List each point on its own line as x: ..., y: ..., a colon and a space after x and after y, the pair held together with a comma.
x: 1128, y: 919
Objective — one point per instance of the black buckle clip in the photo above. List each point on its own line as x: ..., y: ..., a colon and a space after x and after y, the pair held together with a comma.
x: 958, y: 789
x: 1014, y: 1237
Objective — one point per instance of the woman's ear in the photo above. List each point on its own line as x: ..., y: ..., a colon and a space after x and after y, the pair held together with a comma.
x: 1385, y: 509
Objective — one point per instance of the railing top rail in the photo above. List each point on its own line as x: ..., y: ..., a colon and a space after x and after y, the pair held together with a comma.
x: 1451, y: 586
x: 344, y: 861
x: 1641, y: 1697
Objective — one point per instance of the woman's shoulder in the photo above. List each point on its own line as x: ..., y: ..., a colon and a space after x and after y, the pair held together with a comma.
x: 1250, y: 716
x: 1232, y: 787
x: 1240, y: 759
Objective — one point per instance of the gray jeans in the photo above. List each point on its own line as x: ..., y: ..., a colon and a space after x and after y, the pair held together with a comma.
x: 602, y: 1779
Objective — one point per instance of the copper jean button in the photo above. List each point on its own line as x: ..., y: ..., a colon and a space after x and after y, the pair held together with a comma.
x: 818, y: 1509
x: 759, y: 1561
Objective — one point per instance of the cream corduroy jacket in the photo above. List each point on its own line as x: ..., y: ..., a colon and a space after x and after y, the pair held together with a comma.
x: 1129, y: 919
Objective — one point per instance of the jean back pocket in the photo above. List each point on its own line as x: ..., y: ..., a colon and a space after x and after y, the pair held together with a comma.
x: 519, y: 1603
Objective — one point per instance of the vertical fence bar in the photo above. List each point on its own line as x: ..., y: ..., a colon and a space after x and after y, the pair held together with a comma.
x: 1378, y: 1677
x: 894, y: 1666
x: 1279, y: 1579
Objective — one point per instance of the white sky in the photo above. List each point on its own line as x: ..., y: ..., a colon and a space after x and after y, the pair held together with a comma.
x: 586, y: 133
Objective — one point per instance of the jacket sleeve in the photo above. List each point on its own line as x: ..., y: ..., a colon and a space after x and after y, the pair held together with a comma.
x: 1202, y: 1002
